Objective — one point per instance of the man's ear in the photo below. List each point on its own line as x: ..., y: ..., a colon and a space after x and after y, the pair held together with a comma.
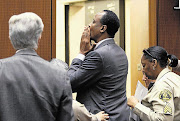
x: 39, y: 39
x: 103, y: 28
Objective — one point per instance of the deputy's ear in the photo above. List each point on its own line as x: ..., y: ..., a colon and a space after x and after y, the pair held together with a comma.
x: 154, y: 63
x: 103, y: 28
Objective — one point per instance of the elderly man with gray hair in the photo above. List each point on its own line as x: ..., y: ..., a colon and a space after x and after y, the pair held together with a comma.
x: 30, y: 88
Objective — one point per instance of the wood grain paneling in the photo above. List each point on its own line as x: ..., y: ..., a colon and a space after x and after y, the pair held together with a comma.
x: 169, y: 26
x: 41, y: 8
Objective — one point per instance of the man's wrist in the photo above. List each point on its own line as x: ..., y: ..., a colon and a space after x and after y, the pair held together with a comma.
x: 83, y: 53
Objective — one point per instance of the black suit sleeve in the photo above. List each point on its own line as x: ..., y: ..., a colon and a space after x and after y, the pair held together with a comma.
x: 84, y: 74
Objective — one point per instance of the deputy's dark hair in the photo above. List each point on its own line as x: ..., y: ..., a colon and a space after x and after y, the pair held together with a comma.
x: 111, y: 20
x: 161, y: 55
x: 173, y: 60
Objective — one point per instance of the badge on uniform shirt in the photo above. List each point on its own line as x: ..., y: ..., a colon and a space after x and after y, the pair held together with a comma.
x: 167, y: 109
x: 165, y: 95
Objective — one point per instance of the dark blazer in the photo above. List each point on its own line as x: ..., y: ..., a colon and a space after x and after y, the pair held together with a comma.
x: 100, y: 80
x: 32, y: 89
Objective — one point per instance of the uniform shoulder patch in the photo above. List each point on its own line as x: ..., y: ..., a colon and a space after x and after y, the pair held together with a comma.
x: 167, y: 109
x: 165, y: 95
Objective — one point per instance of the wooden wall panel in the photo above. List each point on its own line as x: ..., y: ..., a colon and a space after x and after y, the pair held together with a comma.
x: 169, y: 27
x: 40, y: 7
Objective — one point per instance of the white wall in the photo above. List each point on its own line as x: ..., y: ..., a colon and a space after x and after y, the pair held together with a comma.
x: 76, y: 27
x: 60, y: 30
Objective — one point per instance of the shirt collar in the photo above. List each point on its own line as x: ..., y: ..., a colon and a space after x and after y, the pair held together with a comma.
x: 26, y: 51
x: 22, y: 49
x: 101, y: 42
x: 162, y: 73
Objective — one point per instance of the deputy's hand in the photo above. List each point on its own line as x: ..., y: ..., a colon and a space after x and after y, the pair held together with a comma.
x: 102, y: 116
x: 132, y: 101
x: 85, y: 45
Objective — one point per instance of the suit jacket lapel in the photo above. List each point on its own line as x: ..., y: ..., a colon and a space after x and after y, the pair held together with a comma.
x: 109, y: 41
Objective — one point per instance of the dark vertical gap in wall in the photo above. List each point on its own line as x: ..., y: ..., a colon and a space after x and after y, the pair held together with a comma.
x: 67, y: 34
x: 51, y: 29
x: 157, y: 24
x: 122, y: 23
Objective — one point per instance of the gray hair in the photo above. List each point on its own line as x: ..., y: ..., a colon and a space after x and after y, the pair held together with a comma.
x: 25, y: 30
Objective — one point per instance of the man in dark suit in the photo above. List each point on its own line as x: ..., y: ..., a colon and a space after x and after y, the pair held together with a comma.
x: 98, y: 74
x: 31, y: 89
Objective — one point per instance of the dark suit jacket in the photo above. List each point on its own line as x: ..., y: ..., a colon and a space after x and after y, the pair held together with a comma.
x: 100, y: 80
x: 32, y: 89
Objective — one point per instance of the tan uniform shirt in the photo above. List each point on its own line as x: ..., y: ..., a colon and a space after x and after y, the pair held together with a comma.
x: 162, y: 103
x: 82, y: 114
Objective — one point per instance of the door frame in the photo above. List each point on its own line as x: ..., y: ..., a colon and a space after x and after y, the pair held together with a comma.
x: 153, y: 22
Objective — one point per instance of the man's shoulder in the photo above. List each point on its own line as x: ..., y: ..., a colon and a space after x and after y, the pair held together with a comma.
x: 33, y: 62
x: 7, y: 61
x: 110, y: 49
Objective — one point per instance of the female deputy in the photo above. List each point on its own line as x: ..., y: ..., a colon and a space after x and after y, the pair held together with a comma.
x: 162, y: 101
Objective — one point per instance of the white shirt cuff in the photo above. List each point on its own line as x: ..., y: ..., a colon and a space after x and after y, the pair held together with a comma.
x: 80, y: 56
